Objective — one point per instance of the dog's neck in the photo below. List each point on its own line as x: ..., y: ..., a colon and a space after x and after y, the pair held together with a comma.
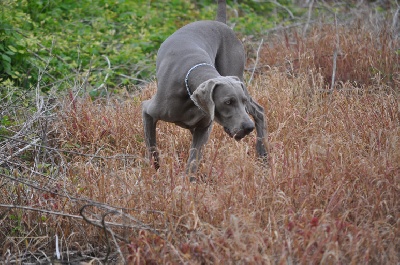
x: 192, y: 81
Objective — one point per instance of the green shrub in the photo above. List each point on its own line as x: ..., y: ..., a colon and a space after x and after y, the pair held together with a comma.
x: 14, y: 46
x: 54, y: 42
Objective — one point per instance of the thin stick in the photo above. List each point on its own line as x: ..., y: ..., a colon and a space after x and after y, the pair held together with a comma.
x: 284, y: 7
x: 395, y: 17
x: 33, y: 143
x: 10, y: 206
x: 335, y: 56
x: 88, y: 220
x: 308, y: 18
x: 255, y: 65
x: 117, y: 156
x: 106, y: 77
x: 91, y: 202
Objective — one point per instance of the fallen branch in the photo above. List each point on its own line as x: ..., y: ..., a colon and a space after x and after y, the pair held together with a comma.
x: 88, y: 220
x: 91, y: 202
x: 117, y: 156
x: 19, y: 151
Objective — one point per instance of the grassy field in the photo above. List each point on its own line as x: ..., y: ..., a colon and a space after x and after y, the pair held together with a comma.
x: 329, y: 192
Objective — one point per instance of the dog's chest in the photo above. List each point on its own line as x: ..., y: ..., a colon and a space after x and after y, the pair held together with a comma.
x: 194, y: 118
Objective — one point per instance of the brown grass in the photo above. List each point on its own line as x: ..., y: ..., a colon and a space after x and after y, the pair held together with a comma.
x: 366, y: 54
x: 329, y: 193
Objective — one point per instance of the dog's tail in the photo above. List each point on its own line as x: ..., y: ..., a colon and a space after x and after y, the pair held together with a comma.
x: 221, y: 13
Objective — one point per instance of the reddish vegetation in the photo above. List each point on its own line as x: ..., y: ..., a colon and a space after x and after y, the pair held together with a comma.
x: 366, y: 54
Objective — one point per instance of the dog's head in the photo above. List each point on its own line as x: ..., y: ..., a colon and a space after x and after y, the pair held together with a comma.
x: 225, y: 100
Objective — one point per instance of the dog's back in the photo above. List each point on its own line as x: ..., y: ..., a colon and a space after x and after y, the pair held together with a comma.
x: 210, y: 42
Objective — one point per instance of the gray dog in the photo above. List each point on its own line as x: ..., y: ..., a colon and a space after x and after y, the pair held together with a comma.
x: 199, y: 79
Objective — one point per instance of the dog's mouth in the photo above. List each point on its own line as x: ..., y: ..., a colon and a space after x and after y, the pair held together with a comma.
x: 239, y: 135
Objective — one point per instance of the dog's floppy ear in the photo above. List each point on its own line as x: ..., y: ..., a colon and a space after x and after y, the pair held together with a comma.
x: 202, y: 97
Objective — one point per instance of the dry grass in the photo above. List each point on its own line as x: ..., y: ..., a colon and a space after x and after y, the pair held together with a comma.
x: 366, y: 52
x: 329, y: 193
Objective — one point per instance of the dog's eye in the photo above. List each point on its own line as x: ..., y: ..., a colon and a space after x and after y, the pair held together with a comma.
x: 228, y: 102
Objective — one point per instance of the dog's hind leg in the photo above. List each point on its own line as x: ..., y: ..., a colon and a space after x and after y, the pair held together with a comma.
x: 149, y: 125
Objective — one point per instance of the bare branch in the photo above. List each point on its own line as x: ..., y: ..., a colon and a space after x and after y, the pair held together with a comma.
x: 282, y: 6
x: 395, y: 18
x: 107, y: 73
x: 308, y: 18
x: 118, y: 156
x: 134, y: 79
x: 88, y: 220
x: 91, y: 202
x: 19, y: 151
x: 10, y: 206
x: 255, y: 64
x: 335, y: 53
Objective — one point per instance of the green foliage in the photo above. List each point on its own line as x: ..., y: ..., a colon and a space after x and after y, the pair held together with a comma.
x: 253, y: 17
x: 54, y: 42
x: 14, y: 47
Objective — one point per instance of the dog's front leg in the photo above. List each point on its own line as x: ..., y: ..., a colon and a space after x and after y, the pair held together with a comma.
x: 149, y: 125
x: 200, y: 138
x: 257, y: 112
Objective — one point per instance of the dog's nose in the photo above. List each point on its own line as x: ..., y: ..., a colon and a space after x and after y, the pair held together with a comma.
x: 248, y: 127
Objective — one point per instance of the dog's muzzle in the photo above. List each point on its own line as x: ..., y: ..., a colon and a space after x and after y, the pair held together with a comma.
x: 245, y: 129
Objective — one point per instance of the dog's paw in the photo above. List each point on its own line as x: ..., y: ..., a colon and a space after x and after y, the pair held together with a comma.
x: 200, y: 178
x: 193, y: 179
x: 261, y: 150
